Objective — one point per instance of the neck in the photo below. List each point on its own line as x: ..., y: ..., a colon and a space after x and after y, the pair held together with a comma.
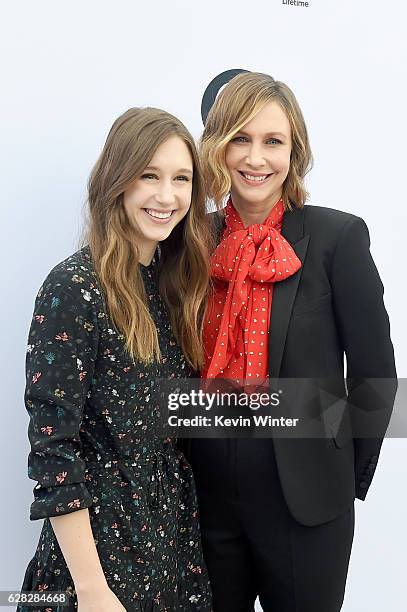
x: 253, y: 213
x: 146, y: 252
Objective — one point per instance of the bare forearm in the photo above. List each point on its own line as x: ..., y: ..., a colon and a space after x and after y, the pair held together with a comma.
x: 75, y: 538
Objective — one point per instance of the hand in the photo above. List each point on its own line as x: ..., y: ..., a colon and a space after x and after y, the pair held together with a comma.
x: 102, y: 600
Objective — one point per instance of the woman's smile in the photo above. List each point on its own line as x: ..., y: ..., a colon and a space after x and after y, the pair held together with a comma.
x: 254, y: 178
x: 159, y: 216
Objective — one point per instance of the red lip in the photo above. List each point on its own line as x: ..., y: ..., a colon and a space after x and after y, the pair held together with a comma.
x: 254, y: 173
x: 160, y: 210
x: 254, y: 183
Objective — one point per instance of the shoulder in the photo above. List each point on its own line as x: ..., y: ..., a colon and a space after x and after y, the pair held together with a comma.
x: 331, y: 222
x: 331, y: 217
x: 74, y: 277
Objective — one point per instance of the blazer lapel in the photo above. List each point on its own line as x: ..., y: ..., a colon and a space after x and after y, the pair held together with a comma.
x: 285, y: 291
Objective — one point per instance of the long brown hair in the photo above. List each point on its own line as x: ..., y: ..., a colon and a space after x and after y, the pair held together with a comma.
x: 241, y: 99
x: 183, y: 269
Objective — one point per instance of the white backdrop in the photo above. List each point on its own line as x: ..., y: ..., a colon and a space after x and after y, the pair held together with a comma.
x: 68, y: 69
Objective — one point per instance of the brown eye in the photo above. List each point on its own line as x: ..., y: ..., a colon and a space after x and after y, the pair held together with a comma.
x: 148, y: 176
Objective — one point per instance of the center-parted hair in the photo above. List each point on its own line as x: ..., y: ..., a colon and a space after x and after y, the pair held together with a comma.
x: 183, y: 268
x: 240, y: 100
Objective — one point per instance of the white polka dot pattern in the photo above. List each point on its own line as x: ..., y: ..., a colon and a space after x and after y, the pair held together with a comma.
x: 244, y: 267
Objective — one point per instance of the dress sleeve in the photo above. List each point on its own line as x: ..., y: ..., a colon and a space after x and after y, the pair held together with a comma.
x: 365, y: 332
x: 61, y: 353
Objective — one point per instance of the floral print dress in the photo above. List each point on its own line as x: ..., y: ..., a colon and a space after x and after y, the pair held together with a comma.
x: 93, y: 446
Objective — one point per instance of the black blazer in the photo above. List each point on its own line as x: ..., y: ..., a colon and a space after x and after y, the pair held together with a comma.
x: 331, y: 308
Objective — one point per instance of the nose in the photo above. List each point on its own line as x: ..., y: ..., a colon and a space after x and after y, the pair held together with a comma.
x: 255, y: 156
x: 165, y: 195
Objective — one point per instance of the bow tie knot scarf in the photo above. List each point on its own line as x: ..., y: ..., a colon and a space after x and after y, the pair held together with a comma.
x: 244, y: 267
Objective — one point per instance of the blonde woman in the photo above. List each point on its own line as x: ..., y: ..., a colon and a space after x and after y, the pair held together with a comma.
x: 121, y: 525
x: 295, y: 290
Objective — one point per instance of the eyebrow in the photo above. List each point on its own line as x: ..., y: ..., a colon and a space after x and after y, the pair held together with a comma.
x: 184, y: 170
x: 266, y: 135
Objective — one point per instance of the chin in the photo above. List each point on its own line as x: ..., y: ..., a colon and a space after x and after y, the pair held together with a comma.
x: 157, y: 236
x: 254, y: 196
x: 147, y: 235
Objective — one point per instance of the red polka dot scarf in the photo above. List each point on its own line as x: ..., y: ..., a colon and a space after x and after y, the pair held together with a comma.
x: 244, y: 267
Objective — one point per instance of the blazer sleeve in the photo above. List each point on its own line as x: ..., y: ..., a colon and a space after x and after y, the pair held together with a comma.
x: 61, y: 353
x: 364, y: 330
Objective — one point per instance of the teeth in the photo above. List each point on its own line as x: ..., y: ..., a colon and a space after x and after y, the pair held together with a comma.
x: 257, y: 179
x: 159, y: 215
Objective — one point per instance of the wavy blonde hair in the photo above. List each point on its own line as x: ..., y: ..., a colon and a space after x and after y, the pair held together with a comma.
x: 240, y: 100
x: 183, y: 268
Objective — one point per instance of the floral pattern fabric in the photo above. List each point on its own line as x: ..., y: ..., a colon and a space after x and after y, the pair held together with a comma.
x: 93, y: 445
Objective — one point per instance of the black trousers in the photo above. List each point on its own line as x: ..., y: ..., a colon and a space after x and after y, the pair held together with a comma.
x: 252, y: 545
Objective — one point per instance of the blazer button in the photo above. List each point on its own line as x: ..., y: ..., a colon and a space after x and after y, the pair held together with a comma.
x: 363, y: 485
x: 374, y: 459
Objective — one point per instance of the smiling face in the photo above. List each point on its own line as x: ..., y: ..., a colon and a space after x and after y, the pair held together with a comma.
x: 161, y: 196
x: 258, y: 161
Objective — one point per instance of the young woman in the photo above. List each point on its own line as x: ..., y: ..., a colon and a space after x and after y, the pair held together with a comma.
x: 295, y: 290
x: 121, y: 526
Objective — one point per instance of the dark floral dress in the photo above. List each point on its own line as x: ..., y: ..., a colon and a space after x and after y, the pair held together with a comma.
x: 93, y: 446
